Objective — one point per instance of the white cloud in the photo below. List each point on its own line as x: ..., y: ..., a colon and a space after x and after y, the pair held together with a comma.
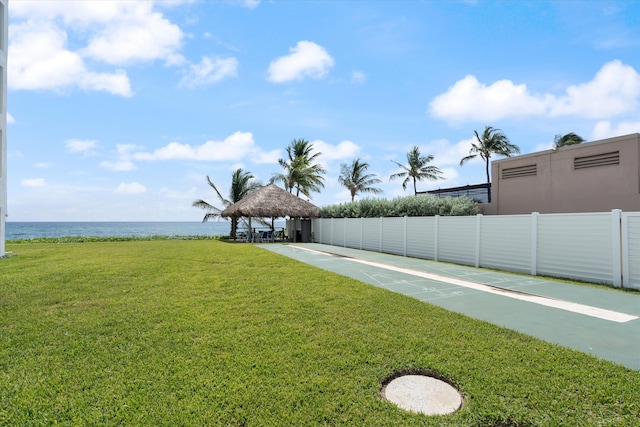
x: 235, y: 147
x: 209, y: 71
x: 604, y: 129
x: 119, y: 165
x: 306, y: 59
x: 40, y: 60
x: 82, y: 14
x: 138, y: 34
x: 614, y: 90
x: 131, y: 188
x: 188, y: 194
x: 118, y: 32
x: 10, y: 119
x: 107, y: 32
x: 250, y: 4
x: 468, y: 99
x: 116, y: 83
x: 446, y: 154
x: 449, y: 174
x: 265, y: 157
x: 124, y: 161
x: 33, y: 182
x: 43, y: 165
x: 342, y: 151
x: 83, y: 146
x: 358, y: 77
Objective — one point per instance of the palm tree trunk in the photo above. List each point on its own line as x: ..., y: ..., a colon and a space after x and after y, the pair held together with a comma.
x: 234, y: 227
x: 488, y: 182
x: 487, y: 169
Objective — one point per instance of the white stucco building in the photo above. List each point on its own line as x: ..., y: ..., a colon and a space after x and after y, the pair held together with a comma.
x: 4, y: 24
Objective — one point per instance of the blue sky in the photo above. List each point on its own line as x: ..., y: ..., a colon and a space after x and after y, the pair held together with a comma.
x: 118, y: 110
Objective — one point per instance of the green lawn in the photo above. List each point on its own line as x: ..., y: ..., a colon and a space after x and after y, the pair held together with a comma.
x: 176, y: 333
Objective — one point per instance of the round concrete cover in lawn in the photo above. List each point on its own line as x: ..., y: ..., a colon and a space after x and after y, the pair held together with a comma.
x: 423, y: 394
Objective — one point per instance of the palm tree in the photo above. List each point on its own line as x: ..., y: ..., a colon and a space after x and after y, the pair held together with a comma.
x: 356, y: 180
x: 299, y: 170
x: 567, y: 139
x: 492, y: 141
x: 416, y: 169
x: 242, y: 184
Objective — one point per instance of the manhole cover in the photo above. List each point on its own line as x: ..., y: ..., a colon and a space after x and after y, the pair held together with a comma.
x: 423, y: 394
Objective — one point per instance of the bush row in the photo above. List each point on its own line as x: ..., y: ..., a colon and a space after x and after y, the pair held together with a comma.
x: 403, y: 206
x: 85, y: 239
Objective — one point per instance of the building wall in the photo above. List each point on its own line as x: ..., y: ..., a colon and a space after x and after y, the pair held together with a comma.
x: 3, y: 122
x: 590, y: 177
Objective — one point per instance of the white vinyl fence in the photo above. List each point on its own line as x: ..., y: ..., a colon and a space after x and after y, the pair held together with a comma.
x: 594, y: 247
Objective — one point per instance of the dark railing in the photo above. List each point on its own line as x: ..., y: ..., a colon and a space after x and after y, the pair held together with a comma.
x: 479, y: 192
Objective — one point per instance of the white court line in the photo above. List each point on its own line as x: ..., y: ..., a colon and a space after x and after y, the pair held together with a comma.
x: 587, y: 310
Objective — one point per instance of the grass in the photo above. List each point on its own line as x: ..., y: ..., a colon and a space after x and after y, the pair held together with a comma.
x: 201, y: 332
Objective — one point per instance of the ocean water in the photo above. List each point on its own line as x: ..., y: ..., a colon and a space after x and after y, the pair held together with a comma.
x: 33, y: 230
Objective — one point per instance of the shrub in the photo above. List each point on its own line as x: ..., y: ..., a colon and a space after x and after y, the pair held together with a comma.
x: 403, y: 206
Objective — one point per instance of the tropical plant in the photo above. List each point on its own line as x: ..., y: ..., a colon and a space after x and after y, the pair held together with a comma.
x: 354, y: 178
x: 416, y: 169
x: 567, y: 139
x: 299, y: 170
x: 242, y: 184
x: 492, y: 141
x: 403, y: 206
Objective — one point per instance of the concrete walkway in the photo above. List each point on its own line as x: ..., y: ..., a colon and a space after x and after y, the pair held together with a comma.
x: 598, y: 321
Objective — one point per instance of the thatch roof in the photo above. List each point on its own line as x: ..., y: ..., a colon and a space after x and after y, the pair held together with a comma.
x: 272, y: 201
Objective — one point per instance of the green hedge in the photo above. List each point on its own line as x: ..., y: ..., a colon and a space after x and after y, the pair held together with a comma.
x: 403, y: 206
x: 87, y: 239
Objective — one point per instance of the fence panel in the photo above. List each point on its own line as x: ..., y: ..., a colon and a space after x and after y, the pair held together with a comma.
x: 456, y: 239
x: 631, y: 249
x: 421, y: 234
x: 320, y: 233
x: 393, y: 235
x: 576, y: 246
x: 371, y: 234
x: 337, y: 231
x: 505, y: 243
x: 353, y: 231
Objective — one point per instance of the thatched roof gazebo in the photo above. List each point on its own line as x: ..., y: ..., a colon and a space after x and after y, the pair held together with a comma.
x: 271, y: 201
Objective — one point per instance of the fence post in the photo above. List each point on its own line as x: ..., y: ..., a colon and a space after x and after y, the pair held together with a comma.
x: 435, y: 238
x: 381, y: 230
x: 361, y: 231
x: 626, y: 268
x: 404, y: 253
x: 478, y: 230
x: 331, y: 234
x: 617, y: 247
x: 534, y: 243
x: 346, y: 220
